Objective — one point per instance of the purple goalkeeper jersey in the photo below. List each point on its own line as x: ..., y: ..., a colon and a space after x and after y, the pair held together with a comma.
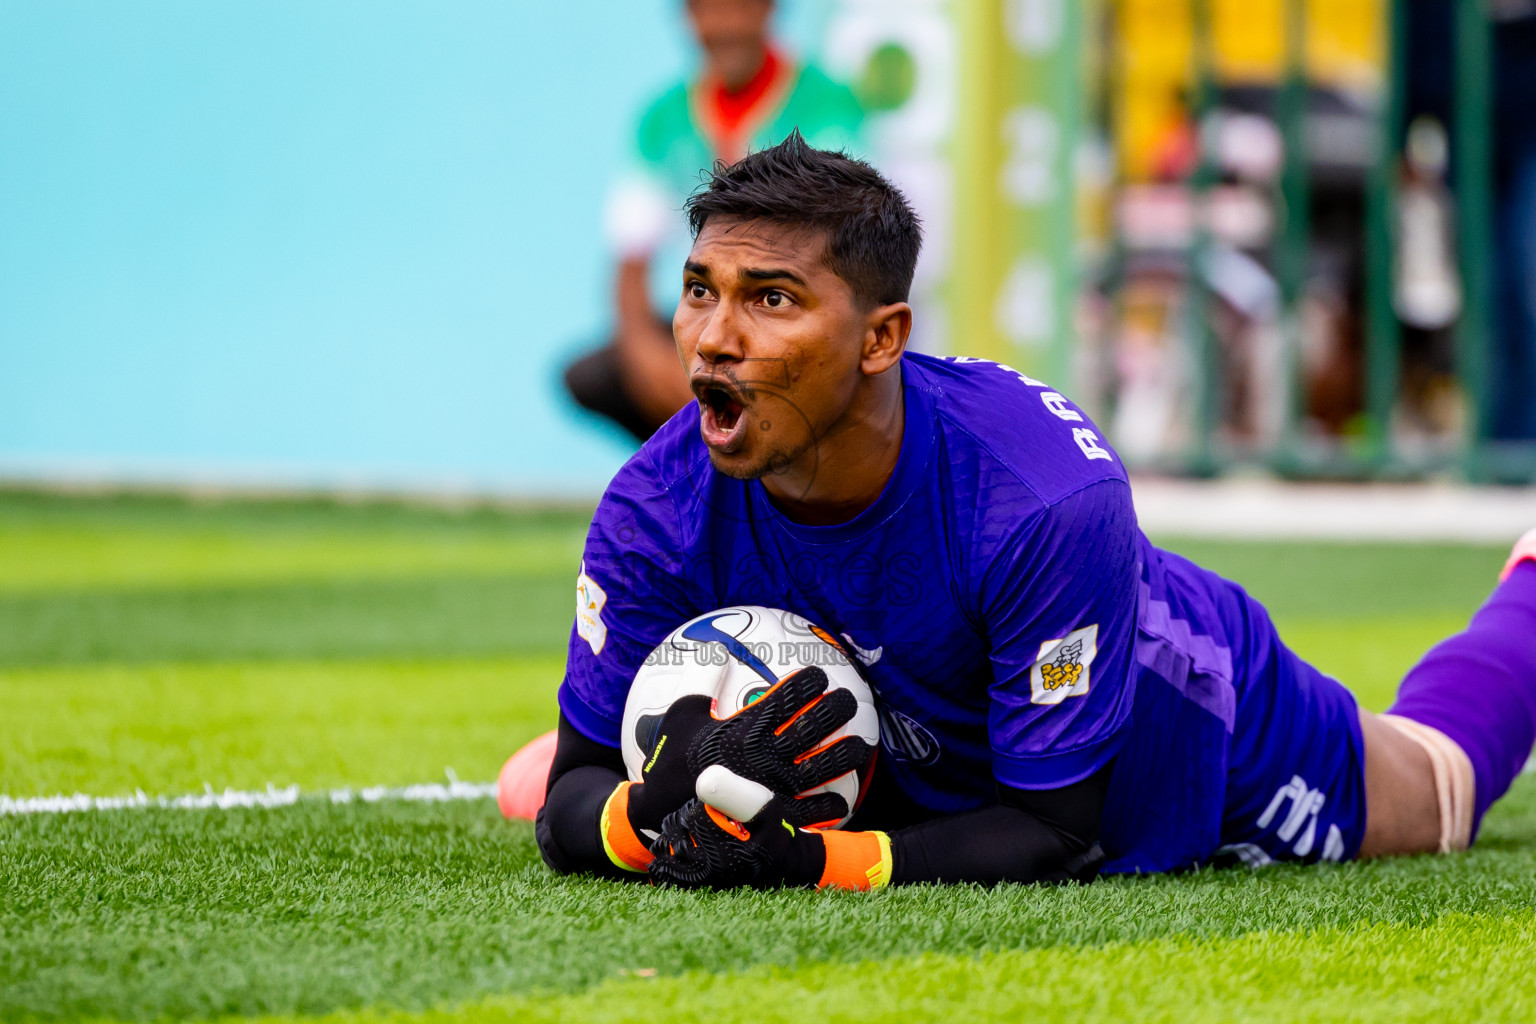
x: 1015, y: 624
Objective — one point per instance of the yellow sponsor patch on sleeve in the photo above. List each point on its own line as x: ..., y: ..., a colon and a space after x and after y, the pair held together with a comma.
x: 1064, y: 666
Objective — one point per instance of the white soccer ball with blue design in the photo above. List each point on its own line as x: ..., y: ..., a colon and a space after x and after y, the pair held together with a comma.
x: 733, y: 656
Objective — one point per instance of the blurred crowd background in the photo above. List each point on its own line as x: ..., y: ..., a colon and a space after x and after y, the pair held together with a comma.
x: 430, y: 246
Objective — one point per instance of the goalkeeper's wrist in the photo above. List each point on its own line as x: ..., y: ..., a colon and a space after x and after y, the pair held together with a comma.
x: 839, y: 860
x: 622, y: 842
x: 651, y: 802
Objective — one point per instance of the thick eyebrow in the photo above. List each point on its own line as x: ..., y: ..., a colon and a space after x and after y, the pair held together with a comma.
x: 772, y: 274
x: 751, y: 273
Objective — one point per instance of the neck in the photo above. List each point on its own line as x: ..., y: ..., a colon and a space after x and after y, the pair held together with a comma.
x: 848, y: 467
x: 735, y: 75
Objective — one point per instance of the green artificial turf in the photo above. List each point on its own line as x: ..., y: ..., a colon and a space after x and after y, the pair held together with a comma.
x: 175, y: 514
x: 173, y: 914
x: 160, y: 644
x: 1460, y: 968
x: 166, y: 729
x: 145, y: 579
x: 71, y: 558
x: 422, y: 617
x: 1329, y: 581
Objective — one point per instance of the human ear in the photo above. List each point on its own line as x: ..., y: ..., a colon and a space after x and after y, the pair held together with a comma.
x: 885, y: 337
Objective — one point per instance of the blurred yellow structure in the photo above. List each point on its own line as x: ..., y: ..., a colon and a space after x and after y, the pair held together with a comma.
x: 1345, y: 44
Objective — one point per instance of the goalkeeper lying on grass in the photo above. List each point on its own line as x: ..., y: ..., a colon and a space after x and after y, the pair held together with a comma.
x: 1067, y: 698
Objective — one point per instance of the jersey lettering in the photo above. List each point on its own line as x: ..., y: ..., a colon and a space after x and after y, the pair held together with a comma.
x: 1088, y: 441
x: 1058, y: 405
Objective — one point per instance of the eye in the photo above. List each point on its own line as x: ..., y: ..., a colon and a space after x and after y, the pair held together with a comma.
x: 696, y: 290
x: 775, y: 299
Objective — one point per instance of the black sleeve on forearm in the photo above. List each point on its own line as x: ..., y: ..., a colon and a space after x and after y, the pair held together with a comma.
x: 581, y: 779
x: 1031, y: 836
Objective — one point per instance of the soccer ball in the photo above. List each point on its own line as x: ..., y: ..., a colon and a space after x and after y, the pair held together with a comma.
x: 733, y: 656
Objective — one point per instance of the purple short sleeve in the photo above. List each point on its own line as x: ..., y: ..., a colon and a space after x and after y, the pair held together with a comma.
x: 1059, y: 601
x: 629, y: 596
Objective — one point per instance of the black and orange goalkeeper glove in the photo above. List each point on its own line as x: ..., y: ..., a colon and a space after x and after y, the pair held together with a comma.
x: 636, y: 810
x: 700, y: 848
x: 775, y: 741
x: 779, y: 741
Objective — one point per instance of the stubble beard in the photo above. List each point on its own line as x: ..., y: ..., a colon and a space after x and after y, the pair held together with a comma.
x: 774, y: 460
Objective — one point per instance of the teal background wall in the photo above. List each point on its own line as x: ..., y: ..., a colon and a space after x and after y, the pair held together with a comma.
x: 314, y: 242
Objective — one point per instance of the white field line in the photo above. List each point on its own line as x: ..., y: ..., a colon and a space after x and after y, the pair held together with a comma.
x: 1270, y: 509
x: 213, y: 800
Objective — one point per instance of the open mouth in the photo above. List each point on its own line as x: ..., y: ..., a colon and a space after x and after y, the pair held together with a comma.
x: 722, y: 420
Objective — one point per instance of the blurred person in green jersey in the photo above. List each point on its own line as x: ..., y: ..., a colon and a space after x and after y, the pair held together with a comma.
x: 749, y: 94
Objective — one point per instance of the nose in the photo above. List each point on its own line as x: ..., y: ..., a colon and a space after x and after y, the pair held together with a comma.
x: 721, y: 341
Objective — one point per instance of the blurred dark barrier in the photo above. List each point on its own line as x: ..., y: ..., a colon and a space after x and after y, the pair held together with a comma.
x: 1299, y: 263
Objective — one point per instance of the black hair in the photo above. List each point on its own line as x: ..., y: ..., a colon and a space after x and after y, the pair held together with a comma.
x: 873, y: 236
